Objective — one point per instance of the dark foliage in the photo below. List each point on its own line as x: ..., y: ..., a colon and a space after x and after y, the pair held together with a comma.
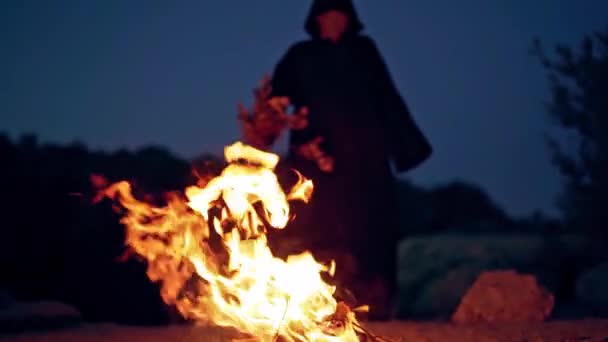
x: 579, y: 106
x: 58, y: 245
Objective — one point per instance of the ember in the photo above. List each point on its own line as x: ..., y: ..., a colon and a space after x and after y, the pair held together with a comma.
x: 239, y: 283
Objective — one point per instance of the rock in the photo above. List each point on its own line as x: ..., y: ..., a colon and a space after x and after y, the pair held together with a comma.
x: 505, y: 296
x: 435, y: 271
x: 592, y: 289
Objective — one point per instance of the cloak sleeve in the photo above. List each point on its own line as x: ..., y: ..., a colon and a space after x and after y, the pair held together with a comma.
x: 408, y: 145
x: 285, y: 83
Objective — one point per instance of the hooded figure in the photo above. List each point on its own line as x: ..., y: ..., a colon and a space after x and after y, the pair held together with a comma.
x: 364, y: 124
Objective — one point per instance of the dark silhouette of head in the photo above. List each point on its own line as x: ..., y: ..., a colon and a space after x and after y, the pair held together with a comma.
x: 332, y: 19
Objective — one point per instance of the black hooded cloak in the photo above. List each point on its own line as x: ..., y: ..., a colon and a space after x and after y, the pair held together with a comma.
x: 355, y: 107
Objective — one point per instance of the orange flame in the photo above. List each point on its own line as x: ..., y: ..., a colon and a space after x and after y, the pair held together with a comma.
x: 240, y: 284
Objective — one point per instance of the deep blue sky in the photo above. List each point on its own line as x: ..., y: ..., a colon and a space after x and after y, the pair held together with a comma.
x: 116, y: 73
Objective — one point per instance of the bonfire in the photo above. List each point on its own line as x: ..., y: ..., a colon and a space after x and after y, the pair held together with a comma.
x: 207, y: 248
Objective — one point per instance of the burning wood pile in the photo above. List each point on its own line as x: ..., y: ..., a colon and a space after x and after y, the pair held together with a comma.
x: 208, y: 250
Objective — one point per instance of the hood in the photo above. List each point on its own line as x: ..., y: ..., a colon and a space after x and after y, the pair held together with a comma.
x: 320, y: 6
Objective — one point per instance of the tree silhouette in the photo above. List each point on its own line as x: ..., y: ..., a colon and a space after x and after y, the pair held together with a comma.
x: 579, y: 105
x: 465, y: 207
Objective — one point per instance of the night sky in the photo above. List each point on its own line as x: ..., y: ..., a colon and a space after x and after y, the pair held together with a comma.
x: 118, y: 73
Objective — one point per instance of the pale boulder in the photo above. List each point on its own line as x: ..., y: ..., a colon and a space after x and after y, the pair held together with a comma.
x: 504, y: 296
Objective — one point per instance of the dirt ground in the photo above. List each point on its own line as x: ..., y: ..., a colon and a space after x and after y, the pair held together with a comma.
x: 570, y: 331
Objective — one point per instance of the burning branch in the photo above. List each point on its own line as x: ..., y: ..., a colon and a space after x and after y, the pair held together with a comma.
x: 269, y: 118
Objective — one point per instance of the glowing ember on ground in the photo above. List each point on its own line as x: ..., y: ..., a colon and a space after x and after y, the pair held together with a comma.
x: 238, y: 283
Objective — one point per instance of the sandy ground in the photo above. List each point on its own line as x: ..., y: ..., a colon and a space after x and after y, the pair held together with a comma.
x: 571, y: 331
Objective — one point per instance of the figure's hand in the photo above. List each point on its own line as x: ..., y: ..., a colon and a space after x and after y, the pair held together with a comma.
x: 312, y: 151
x: 326, y: 164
